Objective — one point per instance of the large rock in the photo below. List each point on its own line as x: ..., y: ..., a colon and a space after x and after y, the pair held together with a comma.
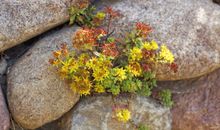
x: 197, y: 103
x: 190, y: 28
x: 22, y: 20
x: 95, y: 113
x: 36, y: 95
x: 4, y: 115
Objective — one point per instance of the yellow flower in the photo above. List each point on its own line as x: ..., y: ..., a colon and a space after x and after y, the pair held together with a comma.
x: 99, y: 88
x: 150, y: 45
x: 123, y: 115
x: 100, y: 74
x: 83, y: 58
x: 81, y: 85
x: 100, y: 15
x: 134, y: 68
x: 100, y: 67
x: 92, y: 63
x: 166, y: 55
x: 120, y: 73
x: 73, y: 66
x: 135, y: 54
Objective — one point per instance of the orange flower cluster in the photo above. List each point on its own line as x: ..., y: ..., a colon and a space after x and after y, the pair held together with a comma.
x: 86, y: 38
x: 58, y: 54
x: 82, y: 4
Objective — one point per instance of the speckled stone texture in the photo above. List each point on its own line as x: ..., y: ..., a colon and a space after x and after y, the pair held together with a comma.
x: 4, y: 115
x: 36, y: 94
x: 197, y: 102
x: 190, y: 28
x: 21, y: 20
x: 95, y: 113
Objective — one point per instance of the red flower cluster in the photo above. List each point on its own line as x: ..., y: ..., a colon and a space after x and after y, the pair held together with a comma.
x: 110, y: 49
x: 112, y: 13
x: 147, y: 54
x: 174, y: 67
x: 143, y: 29
x: 145, y: 67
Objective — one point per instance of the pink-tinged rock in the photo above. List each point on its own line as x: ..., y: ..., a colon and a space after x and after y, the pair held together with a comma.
x: 4, y: 115
x: 197, y: 103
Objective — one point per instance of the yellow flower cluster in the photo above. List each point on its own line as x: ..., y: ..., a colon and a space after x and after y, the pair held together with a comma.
x: 100, y: 67
x: 135, y: 54
x: 99, y: 88
x: 166, y: 55
x: 100, y: 15
x: 134, y: 69
x: 123, y: 115
x: 150, y: 45
x: 68, y: 67
x: 81, y: 83
x: 120, y: 73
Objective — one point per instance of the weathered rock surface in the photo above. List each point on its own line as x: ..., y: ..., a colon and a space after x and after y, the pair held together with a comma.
x: 95, y: 113
x: 190, y: 28
x: 4, y: 115
x: 22, y: 20
x: 36, y: 95
x: 197, y: 103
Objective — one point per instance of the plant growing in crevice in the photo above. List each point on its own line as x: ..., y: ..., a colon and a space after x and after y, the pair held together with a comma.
x: 166, y: 97
x: 103, y: 63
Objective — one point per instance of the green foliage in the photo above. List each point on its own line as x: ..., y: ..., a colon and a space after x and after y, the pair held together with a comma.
x: 143, y: 127
x: 82, y: 16
x: 166, y: 97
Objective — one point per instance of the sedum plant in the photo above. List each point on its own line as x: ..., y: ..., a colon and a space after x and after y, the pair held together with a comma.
x: 103, y: 63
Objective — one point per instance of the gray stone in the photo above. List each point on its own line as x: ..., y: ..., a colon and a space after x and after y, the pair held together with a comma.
x: 36, y: 94
x: 190, y: 28
x: 4, y: 115
x: 95, y: 113
x: 22, y: 20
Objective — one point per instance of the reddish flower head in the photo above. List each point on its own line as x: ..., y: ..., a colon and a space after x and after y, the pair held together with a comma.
x: 110, y: 49
x: 174, y: 67
x: 147, y: 54
x: 145, y: 67
x: 112, y: 13
x: 83, y: 4
x: 143, y: 29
